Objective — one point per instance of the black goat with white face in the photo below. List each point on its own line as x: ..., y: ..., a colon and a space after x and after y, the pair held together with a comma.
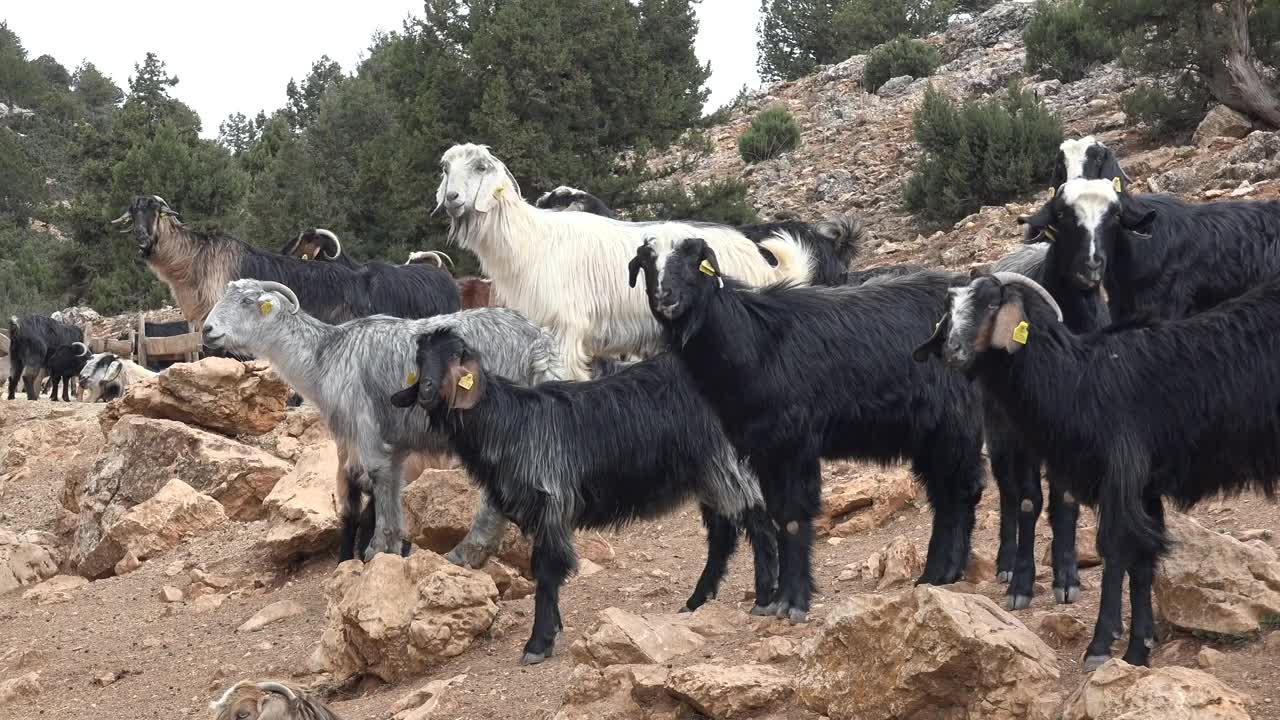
x: 1184, y: 409
x: 601, y: 453
x: 567, y: 198
x: 801, y: 374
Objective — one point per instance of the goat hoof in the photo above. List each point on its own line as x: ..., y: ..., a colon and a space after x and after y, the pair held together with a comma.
x: 1019, y: 602
x: 1093, y: 662
x: 685, y: 609
x: 532, y: 658
x: 783, y: 609
x: 1066, y: 596
x: 797, y: 616
x: 764, y: 610
x: 1005, y: 576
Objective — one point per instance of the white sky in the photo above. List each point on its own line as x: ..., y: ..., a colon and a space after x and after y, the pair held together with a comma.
x: 237, y: 56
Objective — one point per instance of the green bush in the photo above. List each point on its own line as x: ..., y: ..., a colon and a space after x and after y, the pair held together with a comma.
x: 1170, y: 113
x: 901, y: 56
x: 719, y: 201
x: 773, y: 131
x: 981, y: 152
x: 1065, y: 39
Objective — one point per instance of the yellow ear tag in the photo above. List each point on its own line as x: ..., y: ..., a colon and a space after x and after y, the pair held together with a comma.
x: 706, y: 269
x: 410, y: 379
x: 1115, y: 183
x: 1020, y: 332
x: 466, y: 382
x: 306, y: 256
x: 1053, y: 191
x: 498, y: 190
x: 264, y: 307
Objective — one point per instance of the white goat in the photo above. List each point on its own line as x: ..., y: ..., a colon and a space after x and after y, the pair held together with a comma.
x: 566, y: 271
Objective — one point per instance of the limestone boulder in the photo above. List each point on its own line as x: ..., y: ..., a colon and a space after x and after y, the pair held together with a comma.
x: 19, y: 689
x: 302, y: 429
x: 1119, y: 691
x: 273, y: 613
x: 57, y: 589
x: 620, y: 692
x: 438, y: 508
x: 926, y: 652
x: 433, y: 700
x: 1211, y: 582
x: 148, y: 529
x: 398, y: 617
x: 302, y: 509
x: 624, y: 638
x: 26, y: 559
x: 1221, y: 121
x: 723, y: 693
x: 218, y: 394
x: 856, y: 498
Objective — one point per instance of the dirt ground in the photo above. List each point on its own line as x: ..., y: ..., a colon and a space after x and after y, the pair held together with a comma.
x: 117, y: 651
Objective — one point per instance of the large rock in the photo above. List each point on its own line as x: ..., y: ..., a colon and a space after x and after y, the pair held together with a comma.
x: 47, y: 457
x: 302, y: 429
x: 1211, y: 582
x: 26, y: 559
x: 150, y: 528
x: 856, y: 498
x: 219, y: 394
x: 398, y: 617
x: 430, y: 701
x: 620, y: 692
x: 142, y: 455
x: 722, y: 693
x: 1221, y: 121
x: 623, y: 638
x: 1119, y: 691
x: 927, y: 652
x: 57, y: 589
x: 302, y: 510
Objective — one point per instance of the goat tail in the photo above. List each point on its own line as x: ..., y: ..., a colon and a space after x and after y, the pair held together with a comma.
x: 1124, y: 525
x: 795, y: 261
x: 848, y: 231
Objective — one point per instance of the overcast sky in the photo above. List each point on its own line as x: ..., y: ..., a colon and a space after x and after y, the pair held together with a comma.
x: 236, y: 55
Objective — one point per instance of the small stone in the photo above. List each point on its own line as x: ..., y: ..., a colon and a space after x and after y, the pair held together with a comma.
x: 128, y: 563
x: 1060, y: 629
x: 273, y: 613
x: 775, y: 649
x: 1208, y: 658
x: 1254, y: 534
x: 208, y: 603
x: 171, y: 594
x: 587, y: 568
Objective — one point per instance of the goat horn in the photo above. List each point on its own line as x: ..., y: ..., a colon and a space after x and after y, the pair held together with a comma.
x: 84, y: 349
x: 121, y: 219
x: 162, y: 200
x: 283, y: 290
x: 440, y: 258
x: 336, y: 243
x: 1007, y: 278
x: 279, y: 689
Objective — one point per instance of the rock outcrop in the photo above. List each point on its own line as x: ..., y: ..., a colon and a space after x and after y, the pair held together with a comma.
x: 219, y: 394
x: 927, y: 651
x: 624, y: 638
x: 1210, y: 582
x: 1221, y: 121
x: 857, y: 498
x: 26, y: 559
x: 302, y: 511
x: 398, y: 617
x: 723, y: 693
x: 1119, y: 691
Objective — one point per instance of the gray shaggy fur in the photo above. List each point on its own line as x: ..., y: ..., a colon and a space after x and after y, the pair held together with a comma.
x: 350, y: 370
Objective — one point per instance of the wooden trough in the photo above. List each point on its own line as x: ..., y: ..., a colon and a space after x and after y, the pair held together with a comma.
x: 145, y: 350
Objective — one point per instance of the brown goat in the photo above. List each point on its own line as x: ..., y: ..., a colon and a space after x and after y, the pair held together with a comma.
x: 247, y: 700
x: 475, y: 292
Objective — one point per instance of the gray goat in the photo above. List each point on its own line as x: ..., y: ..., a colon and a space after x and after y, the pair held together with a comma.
x: 349, y: 371
x: 247, y: 700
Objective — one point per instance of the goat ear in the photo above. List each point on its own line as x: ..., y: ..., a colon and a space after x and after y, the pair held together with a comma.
x: 709, y: 265
x: 933, y: 346
x: 1038, y: 224
x: 464, y: 384
x: 633, y: 270
x: 113, y: 371
x: 1136, y: 218
x: 406, y: 397
x: 492, y: 186
x: 444, y: 179
x: 1009, y: 330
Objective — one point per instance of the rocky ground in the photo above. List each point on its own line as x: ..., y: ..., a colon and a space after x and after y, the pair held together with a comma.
x: 150, y: 556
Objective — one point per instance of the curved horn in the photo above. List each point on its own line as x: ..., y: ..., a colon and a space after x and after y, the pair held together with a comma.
x: 1007, y: 278
x: 83, y: 351
x: 122, y: 218
x: 285, y: 291
x: 279, y: 689
x: 440, y: 258
x: 336, y: 244
x: 162, y: 200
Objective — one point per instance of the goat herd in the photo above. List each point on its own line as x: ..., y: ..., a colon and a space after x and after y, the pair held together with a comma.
x: 765, y: 354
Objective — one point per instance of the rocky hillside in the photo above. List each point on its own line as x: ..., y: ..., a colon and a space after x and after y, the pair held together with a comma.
x: 856, y: 149
x: 156, y: 550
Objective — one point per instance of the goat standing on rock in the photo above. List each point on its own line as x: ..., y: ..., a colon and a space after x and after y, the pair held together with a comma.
x: 348, y: 371
x: 801, y: 374
x: 1184, y: 409
x: 566, y: 455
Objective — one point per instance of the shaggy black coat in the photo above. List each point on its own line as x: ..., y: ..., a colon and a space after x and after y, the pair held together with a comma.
x: 33, y: 340
x: 801, y: 374
x: 1125, y: 427
x: 636, y: 444
x: 833, y: 245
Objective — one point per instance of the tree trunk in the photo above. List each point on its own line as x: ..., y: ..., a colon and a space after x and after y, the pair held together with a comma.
x: 1233, y: 76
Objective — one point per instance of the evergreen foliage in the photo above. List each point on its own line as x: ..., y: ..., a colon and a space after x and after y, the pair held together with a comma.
x: 1064, y: 40
x: 773, y: 131
x: 900, y: 56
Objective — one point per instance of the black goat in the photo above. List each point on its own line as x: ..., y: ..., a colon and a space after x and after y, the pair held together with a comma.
x: 800, y: 374
x: 34, y: 342
x: 598, y: 453
x: 832, y: 244
x: 1080, y: 158
x: 63, y: 365
x: 1184, y: 409
x: 567, y: 198
x: 1159, y: 256
x: 1017, y: 468
x: 410, y: 291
